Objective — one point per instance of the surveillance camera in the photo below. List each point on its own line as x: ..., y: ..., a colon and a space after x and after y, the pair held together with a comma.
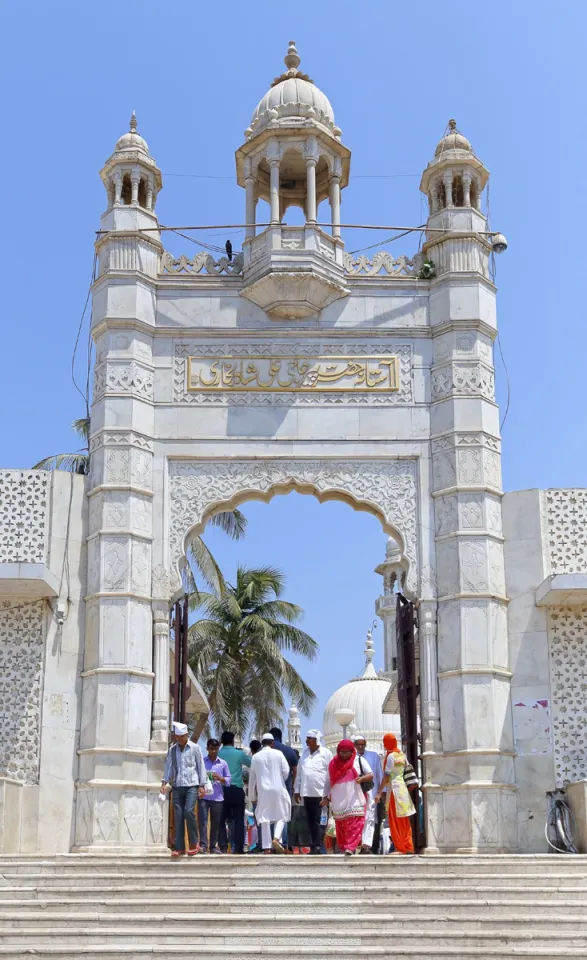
x: 499, y: 243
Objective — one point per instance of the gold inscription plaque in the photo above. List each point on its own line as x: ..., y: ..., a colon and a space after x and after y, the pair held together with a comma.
x: 305, y: 375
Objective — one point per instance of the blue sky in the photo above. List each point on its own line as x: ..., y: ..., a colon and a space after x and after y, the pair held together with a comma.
x: 513, y: 75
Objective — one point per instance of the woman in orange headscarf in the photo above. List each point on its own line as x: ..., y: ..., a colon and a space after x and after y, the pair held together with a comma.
x: 400, y: 806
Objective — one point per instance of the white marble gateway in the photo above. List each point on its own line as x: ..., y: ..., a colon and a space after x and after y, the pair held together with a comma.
x: 293, y: 365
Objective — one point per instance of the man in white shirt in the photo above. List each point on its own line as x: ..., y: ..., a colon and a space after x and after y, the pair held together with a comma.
x: 310, y: 785
x: 269, y: 771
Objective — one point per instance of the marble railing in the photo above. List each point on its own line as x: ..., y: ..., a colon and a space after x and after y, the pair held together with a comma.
x: 381, y: 264
x: 202, y: 263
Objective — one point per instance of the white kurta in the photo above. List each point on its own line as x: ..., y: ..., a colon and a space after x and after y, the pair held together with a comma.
x: 269, y: 771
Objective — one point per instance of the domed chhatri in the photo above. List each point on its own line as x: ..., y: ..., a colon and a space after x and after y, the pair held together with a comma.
x: 365, y: 696
x: 293, y: 156
x: 293, y: 97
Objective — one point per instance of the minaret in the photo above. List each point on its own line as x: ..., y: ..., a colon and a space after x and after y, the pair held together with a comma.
x: 473, y: 661
x: 125, y: 678
x: 294, y: 728
x: 393, y: 572
x: 132, y: 181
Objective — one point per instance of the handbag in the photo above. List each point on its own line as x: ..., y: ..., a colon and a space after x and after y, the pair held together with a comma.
x: 367, y: 785
x: 410, y: 777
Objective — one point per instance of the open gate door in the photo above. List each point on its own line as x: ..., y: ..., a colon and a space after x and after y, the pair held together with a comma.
x: 408, y: 690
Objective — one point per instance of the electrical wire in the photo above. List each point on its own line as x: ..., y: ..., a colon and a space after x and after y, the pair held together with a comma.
x: 397, y: 236
x: 83, y: 395
x: 354, y: 176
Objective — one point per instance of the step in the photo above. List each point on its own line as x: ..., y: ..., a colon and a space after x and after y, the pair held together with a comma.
x: 283, y: 906
x: 212, y: 952
x: 343, y: 879
x: 296, y: 892
x: 185, y: 935
x: 248, y: 865
x: 506, y: 924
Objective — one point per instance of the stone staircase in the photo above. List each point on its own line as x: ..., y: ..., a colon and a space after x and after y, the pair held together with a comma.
x: 302, y: 908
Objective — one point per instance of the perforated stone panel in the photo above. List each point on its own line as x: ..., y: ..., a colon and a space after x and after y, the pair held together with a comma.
x: 568, y: 668
x: 22, y: 648
x: 567, y: 530
x: 23, y: 515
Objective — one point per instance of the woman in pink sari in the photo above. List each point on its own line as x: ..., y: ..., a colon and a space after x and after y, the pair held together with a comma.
x: 346, y: 796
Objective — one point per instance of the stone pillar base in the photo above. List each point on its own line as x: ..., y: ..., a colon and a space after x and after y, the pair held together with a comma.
x: 117, y: 817
x: 471, y: 818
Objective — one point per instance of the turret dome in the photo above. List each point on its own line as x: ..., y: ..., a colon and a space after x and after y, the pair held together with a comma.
x: 293, y: 97
x: 131, y: 140
x: 453, y: 140
x: 365, y: 696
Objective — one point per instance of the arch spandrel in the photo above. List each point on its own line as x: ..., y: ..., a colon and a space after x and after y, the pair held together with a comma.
x: 386, y: 488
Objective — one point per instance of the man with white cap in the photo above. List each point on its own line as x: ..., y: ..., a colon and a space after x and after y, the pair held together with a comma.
x: 371, y: 814
x: 185, y: 771
x: 310, y: 786
x: 269, y: 772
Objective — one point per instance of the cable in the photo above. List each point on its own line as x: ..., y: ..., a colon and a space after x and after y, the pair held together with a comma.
x: 207, y: 246
x: 507, y: 378
x: 389, y: 240
x: 84, y: 396
x: 355, y: 176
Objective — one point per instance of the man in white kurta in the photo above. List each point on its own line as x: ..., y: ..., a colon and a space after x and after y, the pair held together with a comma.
x: 269, y: 771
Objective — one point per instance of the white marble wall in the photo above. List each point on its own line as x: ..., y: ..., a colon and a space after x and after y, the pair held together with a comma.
x: 37, y: 789
x: 526, y: 566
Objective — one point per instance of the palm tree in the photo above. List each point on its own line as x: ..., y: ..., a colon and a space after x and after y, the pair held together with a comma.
x: 72, y: 462
x: 232, y: 522
x: 237, y: 651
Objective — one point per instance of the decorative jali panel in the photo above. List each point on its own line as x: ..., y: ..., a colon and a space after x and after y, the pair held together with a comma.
x: 22, y: 648
x: 23, y: 515
x: 567, y: 530
x: 568, y: 670
x: 388, y: 486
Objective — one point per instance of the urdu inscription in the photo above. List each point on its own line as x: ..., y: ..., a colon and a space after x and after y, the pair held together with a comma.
x: 307, y: 374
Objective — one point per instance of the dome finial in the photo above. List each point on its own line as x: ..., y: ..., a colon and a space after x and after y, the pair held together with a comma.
x: 133, y: 123
x: 292, y: 57
x: 452, y: 125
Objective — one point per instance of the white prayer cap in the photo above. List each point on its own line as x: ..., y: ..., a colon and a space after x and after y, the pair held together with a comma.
x: 180, y: 729
x: 358, y: 736
x: 314, y: 734
x: 267, y: 736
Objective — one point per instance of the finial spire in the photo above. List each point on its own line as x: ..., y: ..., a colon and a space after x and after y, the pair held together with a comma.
x: 452, y: 125
x: 133, y: 123
x: 292, y: 58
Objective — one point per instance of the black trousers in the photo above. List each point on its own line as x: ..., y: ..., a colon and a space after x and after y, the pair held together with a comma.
x: 209, y: 810
x: 233, y: 809
x: 379, y: 818
x: 313, y: 813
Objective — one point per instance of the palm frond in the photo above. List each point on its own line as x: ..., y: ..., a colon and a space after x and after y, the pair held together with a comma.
x: 231, y: 522
x: 82, y: 428
x: 291, y: 638
x: 202, y: 560
x: 71, y: 462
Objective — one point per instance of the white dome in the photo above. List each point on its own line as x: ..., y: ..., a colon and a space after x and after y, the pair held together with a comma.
x: 293, y: 94
x: 365, y: 696
x: 131, y: 140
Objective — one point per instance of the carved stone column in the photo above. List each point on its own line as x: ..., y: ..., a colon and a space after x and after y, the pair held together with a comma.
x: 429, y: 698
x: 274, y: 189
x: 159, y: 728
